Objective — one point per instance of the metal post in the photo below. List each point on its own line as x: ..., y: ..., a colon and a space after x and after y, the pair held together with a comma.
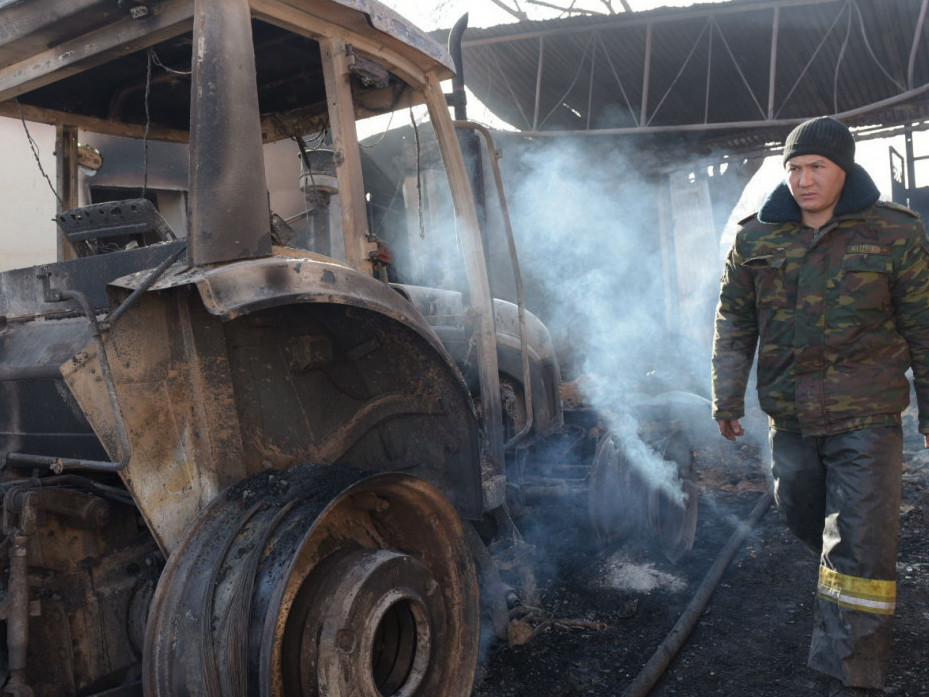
x: 538, y: 83
x: 916, y: 44
x: 772, y: 61
x: 66, y: 184
x: 646, y: 75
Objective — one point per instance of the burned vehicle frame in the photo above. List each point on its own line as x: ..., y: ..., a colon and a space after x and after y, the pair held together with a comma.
x: 240, y: 458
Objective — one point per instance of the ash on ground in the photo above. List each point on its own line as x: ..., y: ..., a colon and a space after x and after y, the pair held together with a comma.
x: 604, y: 612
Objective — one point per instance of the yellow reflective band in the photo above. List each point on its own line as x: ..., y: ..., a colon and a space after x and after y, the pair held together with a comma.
x: 864, y: 594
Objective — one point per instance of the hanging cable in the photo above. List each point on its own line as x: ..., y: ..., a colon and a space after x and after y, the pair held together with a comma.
x: 383, y: 135
x: 392, y: 109
x: 419, y: 177
x: 157, y: 61
x: 35, y: 153
x: 148, y: 120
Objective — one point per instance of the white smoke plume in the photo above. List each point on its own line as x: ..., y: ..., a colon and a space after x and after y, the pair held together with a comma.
x: 587, y: 223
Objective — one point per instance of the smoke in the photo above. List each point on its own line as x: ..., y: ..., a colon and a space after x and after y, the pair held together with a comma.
x: 590, y: 226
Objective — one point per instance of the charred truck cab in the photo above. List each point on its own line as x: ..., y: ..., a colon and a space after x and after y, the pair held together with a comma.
x: 264, y: 454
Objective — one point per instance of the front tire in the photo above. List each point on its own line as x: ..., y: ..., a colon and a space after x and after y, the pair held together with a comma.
x: 318, y: 580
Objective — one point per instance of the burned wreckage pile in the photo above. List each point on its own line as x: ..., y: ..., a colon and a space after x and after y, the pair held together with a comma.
x: 250, y: 451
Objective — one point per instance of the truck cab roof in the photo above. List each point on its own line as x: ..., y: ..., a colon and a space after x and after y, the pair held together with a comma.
x: 88, y: 63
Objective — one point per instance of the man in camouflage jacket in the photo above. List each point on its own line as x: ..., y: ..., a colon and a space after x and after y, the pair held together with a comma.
x: 832, y: 285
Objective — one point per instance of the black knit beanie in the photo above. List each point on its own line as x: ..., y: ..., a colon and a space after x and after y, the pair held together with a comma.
x: 822, y: 136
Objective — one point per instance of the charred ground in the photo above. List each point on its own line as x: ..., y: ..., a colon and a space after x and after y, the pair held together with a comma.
x: 605, y: 611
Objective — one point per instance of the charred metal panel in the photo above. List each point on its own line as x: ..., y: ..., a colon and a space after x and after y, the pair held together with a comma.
x: 38, y: 415
x: 76, y: 43
x: 229, y: 215
x: 291, y: 277
x: 21, y: 289
x: 136, y: 219
x: 445, y: 312
x: 330, y: 383
x: 174, y: 389
x: 31, y: 27
x: 314, y: 362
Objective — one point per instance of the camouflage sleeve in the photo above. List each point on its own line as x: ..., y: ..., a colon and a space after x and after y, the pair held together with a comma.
x: 911, y: 313
x: 735, y: 338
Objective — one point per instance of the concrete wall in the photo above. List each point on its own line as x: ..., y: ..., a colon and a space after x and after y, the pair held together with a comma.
x: 27, y: 227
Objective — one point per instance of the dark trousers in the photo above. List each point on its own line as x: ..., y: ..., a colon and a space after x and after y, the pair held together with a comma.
x: 841, y: 495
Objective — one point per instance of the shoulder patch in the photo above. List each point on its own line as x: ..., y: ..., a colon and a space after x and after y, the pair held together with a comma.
x: 890, y: 205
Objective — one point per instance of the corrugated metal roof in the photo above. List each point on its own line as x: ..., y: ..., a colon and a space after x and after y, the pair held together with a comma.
x: 739, y: 72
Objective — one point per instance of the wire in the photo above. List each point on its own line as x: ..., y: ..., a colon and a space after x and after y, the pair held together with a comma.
x: 157, y: 61
x: 419, y: 176
x: 383, y: 135
x: 148, y: 120
x: 35, y: 153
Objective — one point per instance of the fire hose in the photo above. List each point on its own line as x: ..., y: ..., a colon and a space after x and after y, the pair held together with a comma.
x: 654, y: 669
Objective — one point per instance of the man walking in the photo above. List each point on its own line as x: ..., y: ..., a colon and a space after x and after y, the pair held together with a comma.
x: 832, y: 285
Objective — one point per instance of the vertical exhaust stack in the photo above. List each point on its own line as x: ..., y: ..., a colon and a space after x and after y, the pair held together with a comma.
x: 228, y: 208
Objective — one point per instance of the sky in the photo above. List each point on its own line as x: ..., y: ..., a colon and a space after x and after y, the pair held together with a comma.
x: 485, y: 13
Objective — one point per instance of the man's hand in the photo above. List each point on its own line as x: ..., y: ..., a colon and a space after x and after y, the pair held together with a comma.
x: 926, y: 439
x: 730, y: 429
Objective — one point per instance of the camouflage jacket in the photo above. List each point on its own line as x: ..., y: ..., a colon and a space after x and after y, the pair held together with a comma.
x: 838, y: 314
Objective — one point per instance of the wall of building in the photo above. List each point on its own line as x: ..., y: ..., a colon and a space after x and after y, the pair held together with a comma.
x: 27, y: 228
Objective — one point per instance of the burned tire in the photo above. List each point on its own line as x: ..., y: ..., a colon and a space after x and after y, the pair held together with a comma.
x: 318, y: 580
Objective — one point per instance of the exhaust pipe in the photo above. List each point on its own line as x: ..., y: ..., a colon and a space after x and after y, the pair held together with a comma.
x: 228, y: 209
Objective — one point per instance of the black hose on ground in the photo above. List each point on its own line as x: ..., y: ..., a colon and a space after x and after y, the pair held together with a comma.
x: 654, y: 669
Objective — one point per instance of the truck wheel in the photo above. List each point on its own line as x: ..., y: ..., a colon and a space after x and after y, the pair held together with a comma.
x: 318, y: 580
x: 624, y: 502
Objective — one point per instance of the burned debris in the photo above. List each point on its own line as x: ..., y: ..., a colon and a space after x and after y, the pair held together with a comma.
x: 277, y: 444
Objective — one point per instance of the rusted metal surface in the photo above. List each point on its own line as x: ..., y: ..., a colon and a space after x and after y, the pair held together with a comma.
x: 81, y: 573
x: 211, y: 381
x: 357, y: 246
x: 321, y: 582
x: 324, y: 365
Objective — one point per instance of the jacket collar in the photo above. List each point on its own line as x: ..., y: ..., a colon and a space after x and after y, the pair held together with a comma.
x: 859, y: 193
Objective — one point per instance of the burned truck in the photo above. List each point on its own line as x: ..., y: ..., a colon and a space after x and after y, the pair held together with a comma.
x: 270, y: 449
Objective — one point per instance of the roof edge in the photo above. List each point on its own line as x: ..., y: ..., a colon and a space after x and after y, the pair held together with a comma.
x: 395, y: 25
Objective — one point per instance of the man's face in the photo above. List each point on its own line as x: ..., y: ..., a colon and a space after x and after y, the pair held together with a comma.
x: 816, y: 184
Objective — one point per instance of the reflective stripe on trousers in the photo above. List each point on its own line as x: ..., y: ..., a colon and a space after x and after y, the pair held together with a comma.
x: 841, y: 495
x: 867, y: 595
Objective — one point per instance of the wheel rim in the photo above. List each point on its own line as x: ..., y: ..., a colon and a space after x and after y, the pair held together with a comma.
x: 623, y: 503
x: 673, y: 522
x: 342, y: 585
x: 366, y: 619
